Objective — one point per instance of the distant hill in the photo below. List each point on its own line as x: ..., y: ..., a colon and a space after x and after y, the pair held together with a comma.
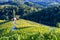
x: 45, y: 3
x: 9, y: 3
x: 33, y: 5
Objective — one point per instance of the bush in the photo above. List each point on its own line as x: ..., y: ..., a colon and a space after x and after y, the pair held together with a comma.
x: 58, y: 24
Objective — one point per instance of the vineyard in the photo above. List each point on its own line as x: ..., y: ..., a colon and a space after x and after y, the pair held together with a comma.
x: 27, y: 30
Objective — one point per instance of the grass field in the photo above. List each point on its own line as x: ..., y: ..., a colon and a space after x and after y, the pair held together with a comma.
x: 28, y: 30
x: 1, y: 20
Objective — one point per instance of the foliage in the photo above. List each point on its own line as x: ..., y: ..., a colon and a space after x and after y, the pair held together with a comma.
x: 48, y: 16
x: 27, y: 30
x: 6, y: 11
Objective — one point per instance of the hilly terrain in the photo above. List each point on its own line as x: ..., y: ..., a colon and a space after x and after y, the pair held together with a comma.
x: 30, y: 11
x: 48, y: 16
x: 35, y: 20
x: 27, y: 30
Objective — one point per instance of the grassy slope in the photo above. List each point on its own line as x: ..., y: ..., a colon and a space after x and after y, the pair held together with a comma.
x: 22, y: 23
x: 27, y: 29
x: 27, y: 25
x: 1, y: 21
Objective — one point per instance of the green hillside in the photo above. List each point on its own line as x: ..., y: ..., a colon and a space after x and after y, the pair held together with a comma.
x: 29, y: 24
x: 22, y: 23
x: 27, y: 30
x: 1, y: 21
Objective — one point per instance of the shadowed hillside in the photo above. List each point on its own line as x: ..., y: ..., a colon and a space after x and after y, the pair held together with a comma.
x: 48, y: 16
